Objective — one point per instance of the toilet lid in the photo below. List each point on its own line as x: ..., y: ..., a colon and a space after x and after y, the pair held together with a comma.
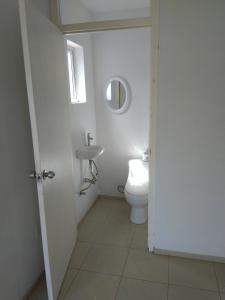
x: 138, y: 178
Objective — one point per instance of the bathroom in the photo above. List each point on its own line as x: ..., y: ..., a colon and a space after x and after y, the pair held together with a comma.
x: 111, y: 56
x: 107, y: 230
x: 85, y: 242
x: 108, y: 227
x: 106, y: 81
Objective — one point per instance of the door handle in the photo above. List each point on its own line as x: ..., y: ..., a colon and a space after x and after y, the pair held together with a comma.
x: 33, y: 175
x: 42, y: 176
x: 48, y: 174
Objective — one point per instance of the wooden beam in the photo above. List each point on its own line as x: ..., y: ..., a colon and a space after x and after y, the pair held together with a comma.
x: 105, y: 25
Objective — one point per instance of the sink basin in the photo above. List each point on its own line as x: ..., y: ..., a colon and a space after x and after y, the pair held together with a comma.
x: 89, y: 152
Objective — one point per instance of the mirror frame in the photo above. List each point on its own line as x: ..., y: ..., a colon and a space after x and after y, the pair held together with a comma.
x: 127, y: 91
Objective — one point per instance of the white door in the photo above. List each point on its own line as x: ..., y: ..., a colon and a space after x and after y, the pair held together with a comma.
x: 47, y: 86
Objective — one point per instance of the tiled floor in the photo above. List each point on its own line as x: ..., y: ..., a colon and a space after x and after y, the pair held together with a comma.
x: 111, y: 261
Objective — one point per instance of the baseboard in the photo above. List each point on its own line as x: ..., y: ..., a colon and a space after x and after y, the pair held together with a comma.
x: 101, y: 196
x: 190, y: 255
x: 88, y: 209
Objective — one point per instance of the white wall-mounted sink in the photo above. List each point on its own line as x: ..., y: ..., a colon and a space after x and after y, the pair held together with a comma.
x: 89, y: 152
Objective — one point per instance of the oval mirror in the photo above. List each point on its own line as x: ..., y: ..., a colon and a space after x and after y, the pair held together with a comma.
x: 117, y: 95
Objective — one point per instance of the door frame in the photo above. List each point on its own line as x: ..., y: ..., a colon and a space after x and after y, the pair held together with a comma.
x: 55, y: 14
x: 155, y: 12
x: 105, y: 25
x: 152, y: 22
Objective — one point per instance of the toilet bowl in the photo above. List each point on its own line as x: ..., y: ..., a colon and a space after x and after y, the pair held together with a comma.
x: 136, y: 190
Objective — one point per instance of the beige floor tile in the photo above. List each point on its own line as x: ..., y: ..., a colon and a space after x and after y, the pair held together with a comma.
x: 220, y: 273
x: 184, y: 293
x: 132, y: 289
x: 222, y: 296
x: 121, y: 204
x: 143, y: 265
x: 111, y: 202
x: 140, y: 238
x: 92, y: 286
x: 146, y: 275
x: 97, y: 214
x: 102, y: 204
x: 107, y: 260
x: 192, y: 273
x: 119, y: 215
x: 118, y: 234
x: 39, y: 292
x: 69, y: 277
x: 79, y: 253
x: 87, y: 231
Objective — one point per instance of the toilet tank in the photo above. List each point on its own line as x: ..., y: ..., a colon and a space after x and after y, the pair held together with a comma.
x: 138, y: 177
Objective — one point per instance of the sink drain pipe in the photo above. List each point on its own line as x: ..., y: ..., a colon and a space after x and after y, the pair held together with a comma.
x: 93, y: 178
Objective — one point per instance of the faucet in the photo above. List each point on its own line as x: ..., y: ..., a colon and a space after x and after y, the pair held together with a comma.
x: 89, y: 138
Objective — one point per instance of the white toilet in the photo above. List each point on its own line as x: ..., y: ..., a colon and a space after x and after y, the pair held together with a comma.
x: 136, y: 190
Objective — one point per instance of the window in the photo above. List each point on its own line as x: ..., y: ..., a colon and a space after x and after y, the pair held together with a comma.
x: 72, y: 75
x: 75, y: 57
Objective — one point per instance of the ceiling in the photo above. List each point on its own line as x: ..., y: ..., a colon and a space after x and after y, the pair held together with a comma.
x: 105, y: 6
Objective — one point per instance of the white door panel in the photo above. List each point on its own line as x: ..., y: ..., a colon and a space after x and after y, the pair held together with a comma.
x: 47, y: 85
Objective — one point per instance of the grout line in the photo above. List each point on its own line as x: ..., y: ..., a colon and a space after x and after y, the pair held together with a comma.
x: 122, y: 274
x: 124, y: 265
x: 100, y: 273
x: 149, y: 281
x: 132, y: 238
x: 165, y: 283
x: 118, y: 287
x: 62, y: 296
x: 70, y: 269
x: 168, y: 278
x: 193, y: 288
x: 105, y: 273
x: 217, y: 280
x: 96, y: 244
x: 145, y: 280
x: 85, y: 257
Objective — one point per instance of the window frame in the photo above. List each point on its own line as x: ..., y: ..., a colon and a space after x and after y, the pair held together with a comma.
x: 71, y: 51
x: 78, y: 92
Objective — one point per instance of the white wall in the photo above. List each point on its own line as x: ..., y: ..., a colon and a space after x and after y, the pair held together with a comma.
x: 190, y: 150
x: 83, y: 121
x: 124, y: 53
x: 20, y: 251
x: 42, y: 5
x: 122, y: 14
x: 73, y: 12
x: 77, y: 12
